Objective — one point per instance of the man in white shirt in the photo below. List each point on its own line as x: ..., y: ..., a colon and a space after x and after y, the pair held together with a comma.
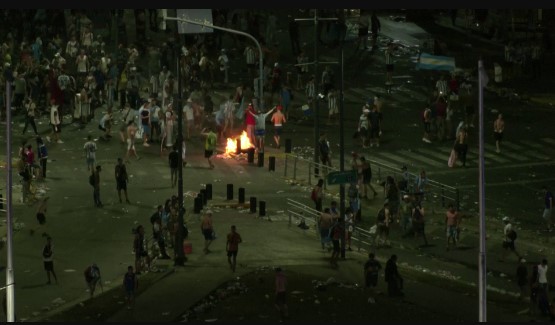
x: 542, y: 274
x: 509, y: 239
x: 189, y: 116
x: 55, y: 122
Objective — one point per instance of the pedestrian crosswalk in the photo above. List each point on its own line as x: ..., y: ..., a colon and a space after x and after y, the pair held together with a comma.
x: 436, y: 156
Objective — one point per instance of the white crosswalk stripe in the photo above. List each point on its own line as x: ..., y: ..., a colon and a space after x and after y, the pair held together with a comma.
x: 512, y: 152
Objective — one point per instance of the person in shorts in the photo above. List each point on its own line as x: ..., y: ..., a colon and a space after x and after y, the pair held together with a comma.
x: 130, y: 284
x: 207, y: 229
x: 232, y: 247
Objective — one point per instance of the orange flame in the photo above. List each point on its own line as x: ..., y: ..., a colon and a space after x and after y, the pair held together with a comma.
x: 231, y: 146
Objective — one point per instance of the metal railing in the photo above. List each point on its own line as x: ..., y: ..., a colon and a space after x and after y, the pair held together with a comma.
x: 436, y: 195
x: 362, y: 238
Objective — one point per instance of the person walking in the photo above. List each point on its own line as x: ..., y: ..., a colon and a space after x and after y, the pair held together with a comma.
x: 452, y: 222
x: 281, y: 294
x: 130, y: 285
x: 509, y: 237
x: 461, y: 146
x: 337, y: 231
x: 92, y: 277
x: 382, y: 226
x: 42, y: 155
x: 48, y: 261
x: 30, y: 107
x: 317, y: 195
x: 371, y: 271
x: 278, y: 119
x: 232, y: 247
x: 498, y: 128
x: 173, y: 159
x: 41, y: 210
x: 90, y: 153
x: 522, y: 278
x: 418, y: 222
x: 548, y: 208
x: 393, y: 278
x: 209, y: 145
x: 207, y: 229
x: 96, y: 186
x: 121, y: 179
x: 366, y: 180
x: 55, y: 122
x: 324, y: 148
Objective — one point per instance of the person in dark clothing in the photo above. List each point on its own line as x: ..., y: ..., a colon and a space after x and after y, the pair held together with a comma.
x: 294, y: 36
x: 522, y: 278
x: 157, y: 234
x: 324, y: 150
x: 371, y: 272
x: 374, y: 28
x: 173, y: 159
x: 393, y: 278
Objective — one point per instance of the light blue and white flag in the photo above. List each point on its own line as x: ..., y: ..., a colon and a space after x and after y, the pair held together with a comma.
x: 435, y: 62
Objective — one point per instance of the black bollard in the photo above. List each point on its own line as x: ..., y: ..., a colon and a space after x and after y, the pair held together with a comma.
x: 272, y: 164
x: 253, y: 204
x: 262, y: 209
x: 287, y: 145
x: 204, y: 197
x: 209, y: 191
x: 260, y: 159
x: 230, y: 191
x: 238, y: 150
x: 241, y: 195
x: 198, y: 204
x: 250, y: 155
x: 1, y: 202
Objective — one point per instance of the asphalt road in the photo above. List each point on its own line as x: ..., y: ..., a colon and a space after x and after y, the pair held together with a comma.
x: 83, y: 234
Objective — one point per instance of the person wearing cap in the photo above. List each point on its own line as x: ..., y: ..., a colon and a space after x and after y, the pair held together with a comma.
x: 509, y: 237
x: 207, y: 229
x: 278, y: 119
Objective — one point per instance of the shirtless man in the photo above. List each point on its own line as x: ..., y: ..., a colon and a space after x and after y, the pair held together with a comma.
x: 131, y: 130
x: 498, y: 128
x: 278, y: 119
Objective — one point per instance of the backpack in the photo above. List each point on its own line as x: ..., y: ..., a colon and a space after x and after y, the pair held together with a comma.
x: 91, y: 179
x: 512, y: 235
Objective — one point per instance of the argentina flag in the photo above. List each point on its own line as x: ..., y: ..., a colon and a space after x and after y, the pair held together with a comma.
x: 435, y: 62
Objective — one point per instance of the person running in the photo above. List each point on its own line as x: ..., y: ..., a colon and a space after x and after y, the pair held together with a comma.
x: 130, y: 285
x: 371, y: 271
x: 498, y: 128
x: 48, y: 261
x: 121, y: 179
x: 281, y: 293
x: 278, y: 119
x: 209, y: 145
x: 232, y: 247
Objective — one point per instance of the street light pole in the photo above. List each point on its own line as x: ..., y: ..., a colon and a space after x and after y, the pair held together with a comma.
x: 316, y: 19
x: 10, y: 282
x: 342, y: 152
x: 229, y: 30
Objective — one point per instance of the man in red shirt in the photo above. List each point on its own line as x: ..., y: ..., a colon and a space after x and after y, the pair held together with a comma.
x: 250, y: 122
x: 232, y: 247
